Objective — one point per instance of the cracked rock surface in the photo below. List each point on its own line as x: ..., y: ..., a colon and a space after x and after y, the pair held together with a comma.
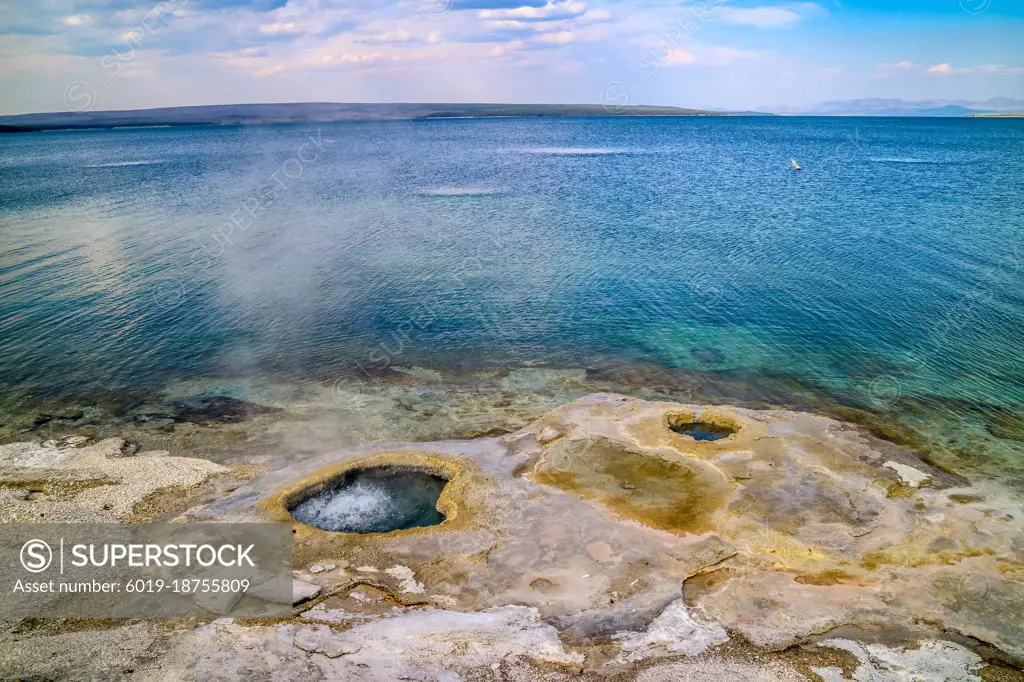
x: 598, y: 541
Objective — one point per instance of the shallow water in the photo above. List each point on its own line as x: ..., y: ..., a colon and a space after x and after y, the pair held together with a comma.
x: 886, y: 275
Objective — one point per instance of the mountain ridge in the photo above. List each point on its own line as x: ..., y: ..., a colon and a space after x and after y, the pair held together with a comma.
x: 877, y: 106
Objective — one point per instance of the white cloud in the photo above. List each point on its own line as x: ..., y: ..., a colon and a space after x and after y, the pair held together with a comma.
x: 946, y: 69
x: 269, y: 70
x: 678, y: 57
x: 552, y: 10
x: 708, y: 55
x: 136, y: 71
x: 292, y: 20
x: 281, y: 27
x: 502, y: 50
x: 781, y: 16
x: 1000, y: 70
x: 77, y: 20
x: 554, y: 16
x: 245, y: 51
x: 397, y: 35
x: 342, y: 58
x: 557, y: 38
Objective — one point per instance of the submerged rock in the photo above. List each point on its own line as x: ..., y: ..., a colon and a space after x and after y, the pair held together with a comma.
x: 217, y: 410
x: 65, y: 414
x: 1007, y: 426
x: 707, y: 356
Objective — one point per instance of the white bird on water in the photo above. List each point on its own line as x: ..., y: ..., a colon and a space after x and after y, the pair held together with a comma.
x: 796, y: 166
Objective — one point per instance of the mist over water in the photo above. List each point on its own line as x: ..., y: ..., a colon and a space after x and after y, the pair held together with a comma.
x: 887, y: 273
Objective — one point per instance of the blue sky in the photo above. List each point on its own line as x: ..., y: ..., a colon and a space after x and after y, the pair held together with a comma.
x: 733, y: 54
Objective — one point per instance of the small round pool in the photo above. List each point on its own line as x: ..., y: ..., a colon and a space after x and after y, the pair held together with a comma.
x: 374, y: 500
x: 703, y: 430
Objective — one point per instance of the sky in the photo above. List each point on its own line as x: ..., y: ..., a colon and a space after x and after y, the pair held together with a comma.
x: 58, y: 55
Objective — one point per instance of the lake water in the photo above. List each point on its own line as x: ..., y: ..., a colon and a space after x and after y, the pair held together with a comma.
x: 887, y: 275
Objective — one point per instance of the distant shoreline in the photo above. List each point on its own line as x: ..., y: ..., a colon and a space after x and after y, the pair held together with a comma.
x: 326, y: 112
x: 259, y: 114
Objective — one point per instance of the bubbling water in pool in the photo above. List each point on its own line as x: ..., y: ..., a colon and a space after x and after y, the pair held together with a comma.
x: 377, y: 500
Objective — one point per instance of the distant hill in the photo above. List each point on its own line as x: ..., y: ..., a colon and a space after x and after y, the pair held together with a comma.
x: 900, y: 107
x: 254, y: 114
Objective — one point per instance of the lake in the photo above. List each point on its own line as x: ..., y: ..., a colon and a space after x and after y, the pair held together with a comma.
x: 885, y: 277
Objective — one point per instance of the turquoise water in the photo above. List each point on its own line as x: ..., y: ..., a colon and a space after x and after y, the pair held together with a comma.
x: 886, y: 275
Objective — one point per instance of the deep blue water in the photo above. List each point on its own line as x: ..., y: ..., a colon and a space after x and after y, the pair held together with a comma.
x: 890, y: 266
